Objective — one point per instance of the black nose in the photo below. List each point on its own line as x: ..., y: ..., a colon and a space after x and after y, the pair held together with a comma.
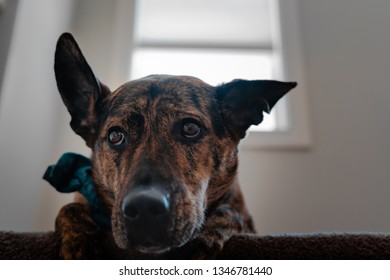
x: 146, y: 205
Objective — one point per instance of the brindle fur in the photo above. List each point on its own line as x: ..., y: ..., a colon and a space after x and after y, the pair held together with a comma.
x: 200, y: 175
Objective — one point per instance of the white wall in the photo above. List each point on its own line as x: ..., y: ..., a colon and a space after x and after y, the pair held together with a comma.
x: 340, y: 184
x: 29, y: 116
x: 7, y: 19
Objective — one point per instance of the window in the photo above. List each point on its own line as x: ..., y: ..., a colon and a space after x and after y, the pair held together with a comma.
x: 221, y: 40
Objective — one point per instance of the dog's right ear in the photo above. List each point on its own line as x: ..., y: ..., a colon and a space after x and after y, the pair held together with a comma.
x: 243, y: 102
x: 81, y: 92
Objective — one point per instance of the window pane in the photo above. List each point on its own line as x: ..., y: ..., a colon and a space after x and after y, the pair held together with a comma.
x: 229, y: 22
x: 212, y: 66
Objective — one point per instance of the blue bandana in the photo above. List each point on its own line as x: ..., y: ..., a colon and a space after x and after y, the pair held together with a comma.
x: 73, y: 173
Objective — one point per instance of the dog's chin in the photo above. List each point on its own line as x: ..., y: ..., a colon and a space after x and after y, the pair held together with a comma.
x: 155, y: 247
x: 152, y: 250
x: 150, y: 246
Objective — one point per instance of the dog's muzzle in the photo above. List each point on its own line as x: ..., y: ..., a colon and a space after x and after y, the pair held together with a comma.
x: 146, y: 212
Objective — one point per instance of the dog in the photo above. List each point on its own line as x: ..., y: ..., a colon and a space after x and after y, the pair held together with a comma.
x: 164, y: 157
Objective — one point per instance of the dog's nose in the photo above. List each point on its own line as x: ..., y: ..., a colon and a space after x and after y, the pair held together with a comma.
x: 147, y: 216
x: 148, y: 204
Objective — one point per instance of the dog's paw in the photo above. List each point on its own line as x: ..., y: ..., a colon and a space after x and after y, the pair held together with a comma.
x: 219, y: 227
x: 80, y: 236
x: 208, y: 244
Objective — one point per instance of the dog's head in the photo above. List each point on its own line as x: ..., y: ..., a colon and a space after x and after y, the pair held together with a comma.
x: 164, y: 147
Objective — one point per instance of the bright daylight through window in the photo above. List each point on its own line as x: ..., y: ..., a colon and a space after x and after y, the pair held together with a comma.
x: 214, y: 40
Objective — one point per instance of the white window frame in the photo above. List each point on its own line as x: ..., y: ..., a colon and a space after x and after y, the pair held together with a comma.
x: 288, y: 48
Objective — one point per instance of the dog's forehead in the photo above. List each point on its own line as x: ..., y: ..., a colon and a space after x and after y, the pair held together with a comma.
x: 164, y: 86
x: 164, y: 90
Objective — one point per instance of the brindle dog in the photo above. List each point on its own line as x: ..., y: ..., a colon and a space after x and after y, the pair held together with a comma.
x: 164, y: 156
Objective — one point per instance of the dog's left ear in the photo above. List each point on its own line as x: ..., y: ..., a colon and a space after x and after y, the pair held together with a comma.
x: 243, y: 102
x: 81, y: 92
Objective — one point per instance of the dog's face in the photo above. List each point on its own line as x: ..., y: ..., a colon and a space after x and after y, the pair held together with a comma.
x: 160, y: 146
x: 164, y: 147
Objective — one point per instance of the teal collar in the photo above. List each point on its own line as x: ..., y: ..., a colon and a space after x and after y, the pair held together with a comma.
x: 73, y: 173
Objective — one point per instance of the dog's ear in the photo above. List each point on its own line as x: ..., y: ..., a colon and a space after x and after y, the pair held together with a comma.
x: 243, y: 102
x: 81, y: 92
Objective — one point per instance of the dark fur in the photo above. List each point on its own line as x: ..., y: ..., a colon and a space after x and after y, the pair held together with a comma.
x: 199, y: 174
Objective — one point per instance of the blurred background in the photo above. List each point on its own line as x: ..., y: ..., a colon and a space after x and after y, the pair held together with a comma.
x: 319, y: 163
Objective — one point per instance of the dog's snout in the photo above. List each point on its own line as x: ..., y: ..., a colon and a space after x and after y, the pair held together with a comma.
x: 147, y: 204
x: 146, y: 212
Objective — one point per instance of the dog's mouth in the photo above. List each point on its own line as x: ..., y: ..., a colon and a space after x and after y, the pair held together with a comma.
x: 157, y: 240
x: 151, y: 247
x: 150, y: 221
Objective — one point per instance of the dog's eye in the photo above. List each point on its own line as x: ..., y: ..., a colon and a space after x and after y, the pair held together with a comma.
x: 190, y: 129
x: 116, y: 137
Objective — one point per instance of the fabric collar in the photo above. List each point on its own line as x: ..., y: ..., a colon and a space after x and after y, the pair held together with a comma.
x: 73, y: 173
